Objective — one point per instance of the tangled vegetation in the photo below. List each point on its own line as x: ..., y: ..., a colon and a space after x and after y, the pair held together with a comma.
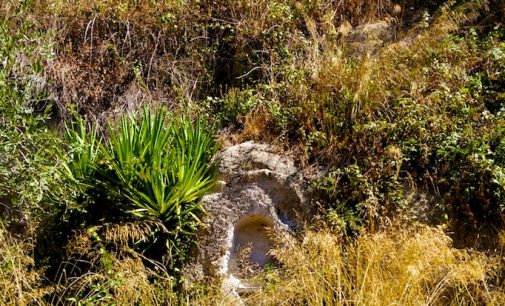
x: 107, y: 117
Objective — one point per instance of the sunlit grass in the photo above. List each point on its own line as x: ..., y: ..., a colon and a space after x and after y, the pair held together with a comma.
x: 409, y: 266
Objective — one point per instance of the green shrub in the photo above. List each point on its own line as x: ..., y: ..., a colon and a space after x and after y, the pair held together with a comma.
x: 152, y: 169
x: 29, y: 149
x: 343, y: 193
x: 234, y: 105
x: 161, y: 166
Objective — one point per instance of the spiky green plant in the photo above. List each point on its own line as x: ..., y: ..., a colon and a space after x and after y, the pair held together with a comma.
x: 84, y: 152
x: 162, y: 166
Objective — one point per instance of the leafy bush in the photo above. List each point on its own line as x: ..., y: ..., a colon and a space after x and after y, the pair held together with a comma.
x: 30, y: 151
x: 234, y: 106
x: 344, y: 194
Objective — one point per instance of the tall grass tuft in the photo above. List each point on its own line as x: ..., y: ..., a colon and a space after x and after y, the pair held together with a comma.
x: 411, y: 266
x: 20, y: 282
x: 414, y: 266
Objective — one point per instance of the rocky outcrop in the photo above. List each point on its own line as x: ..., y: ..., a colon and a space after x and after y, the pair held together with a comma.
x: 259, y: 193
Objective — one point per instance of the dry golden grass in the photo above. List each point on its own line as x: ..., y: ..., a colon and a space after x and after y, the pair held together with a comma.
x: 102, y: 268
x: 125, y: 281
x: 19, y: 281
x: 408, y: 266
x: 413, y: 266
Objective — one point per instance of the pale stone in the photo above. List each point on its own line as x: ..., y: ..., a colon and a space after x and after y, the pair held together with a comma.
x: 259, y: 194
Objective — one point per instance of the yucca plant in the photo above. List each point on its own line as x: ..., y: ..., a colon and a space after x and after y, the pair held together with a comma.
x: 84, y: 151
x: 162, y: 166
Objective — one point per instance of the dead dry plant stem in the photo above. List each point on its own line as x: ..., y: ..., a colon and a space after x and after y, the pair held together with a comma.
x: 89, y: 28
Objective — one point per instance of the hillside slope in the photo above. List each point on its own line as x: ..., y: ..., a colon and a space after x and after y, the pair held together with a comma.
x: 111, y: 112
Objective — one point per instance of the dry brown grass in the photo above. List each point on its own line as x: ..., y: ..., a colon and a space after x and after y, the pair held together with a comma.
x: 116, y: 54
x: 19, y: 280
x: 412, y: 266
x: 124, y: 281
x: 103, y: 268
x: 119, y: 277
